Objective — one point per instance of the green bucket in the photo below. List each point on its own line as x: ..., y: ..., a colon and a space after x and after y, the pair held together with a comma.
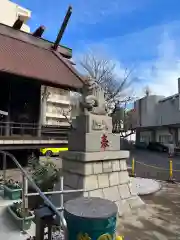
x: 91, y: 219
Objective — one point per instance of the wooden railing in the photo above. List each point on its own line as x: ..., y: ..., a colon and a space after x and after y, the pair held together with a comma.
x: 16, y: 130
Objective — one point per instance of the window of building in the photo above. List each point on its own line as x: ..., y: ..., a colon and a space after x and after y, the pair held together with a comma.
x: 61, y: 92
x: 165, y: 138
x: 145, y: 139
x: 49, y: 108
x: 52, y: 108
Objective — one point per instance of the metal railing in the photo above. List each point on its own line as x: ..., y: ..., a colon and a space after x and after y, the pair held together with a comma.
x: 25, y: 178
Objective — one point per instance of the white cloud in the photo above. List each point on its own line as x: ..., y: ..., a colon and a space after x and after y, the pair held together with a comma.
x: 156, y: 51
x: 162, y: 73
x: 92, y: 12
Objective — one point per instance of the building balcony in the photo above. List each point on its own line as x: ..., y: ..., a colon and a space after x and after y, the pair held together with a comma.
x: 56, y: 115
x: 59, y: 101
x: 17, y: 129
x: 15, y: 135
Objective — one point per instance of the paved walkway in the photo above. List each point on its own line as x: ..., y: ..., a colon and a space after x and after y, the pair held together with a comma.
x: 8, y: 228
x: 158, y: 221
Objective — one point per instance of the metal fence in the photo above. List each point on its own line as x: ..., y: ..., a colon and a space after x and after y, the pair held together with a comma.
x: 141, y: 169
x: 58, y: 211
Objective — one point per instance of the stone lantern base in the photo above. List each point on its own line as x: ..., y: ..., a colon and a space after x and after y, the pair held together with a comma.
x: 101, y: 174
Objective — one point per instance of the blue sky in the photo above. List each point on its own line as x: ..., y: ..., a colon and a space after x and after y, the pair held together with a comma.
x: 143, y: 34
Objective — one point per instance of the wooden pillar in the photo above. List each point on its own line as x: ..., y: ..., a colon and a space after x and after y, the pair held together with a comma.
x: 44, y: 106
x: 8, y: 117
x: 7, y: 126
x: 42, y: 109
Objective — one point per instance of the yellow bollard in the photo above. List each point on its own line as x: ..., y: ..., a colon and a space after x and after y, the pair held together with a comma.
x: 133, y: 168
x: 119, y: 238
x: 170, y: 169
x: 171, y: 179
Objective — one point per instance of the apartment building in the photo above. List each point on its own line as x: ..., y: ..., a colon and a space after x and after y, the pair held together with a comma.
x: 9, y: 13
x: 57, y: 109
x: 157, y: 118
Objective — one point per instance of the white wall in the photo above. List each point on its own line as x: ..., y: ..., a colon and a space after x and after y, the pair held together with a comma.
x: 10, y: 11
x: 157, y: 111
x: 168, y: 111
x: 146, y: 114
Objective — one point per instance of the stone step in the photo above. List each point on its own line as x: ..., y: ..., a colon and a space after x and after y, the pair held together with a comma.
x: 4, y: 203
x: 8, y: 229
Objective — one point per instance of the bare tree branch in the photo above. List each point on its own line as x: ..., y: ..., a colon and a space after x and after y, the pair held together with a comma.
x: 116, y: 87
x: 103, y: 72
x: 74, y: 108
x: 66, y: 114
x: 125, y: 134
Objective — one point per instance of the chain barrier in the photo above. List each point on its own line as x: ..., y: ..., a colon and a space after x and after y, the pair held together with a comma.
x: 170, y: 169
x: 159, y: 168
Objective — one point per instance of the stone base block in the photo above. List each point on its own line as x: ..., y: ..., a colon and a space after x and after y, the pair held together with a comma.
x: 91, y: 142
x: 104, y: 186
x: 101, y: 174
x: 97, y: 157
x: 73, y: 163
x: 91, y: 123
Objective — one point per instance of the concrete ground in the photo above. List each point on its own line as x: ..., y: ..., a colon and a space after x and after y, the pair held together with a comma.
x: 158, y: 221
x: 161, y: 217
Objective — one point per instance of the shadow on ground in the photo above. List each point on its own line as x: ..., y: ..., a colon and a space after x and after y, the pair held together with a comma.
x: 160, y: 220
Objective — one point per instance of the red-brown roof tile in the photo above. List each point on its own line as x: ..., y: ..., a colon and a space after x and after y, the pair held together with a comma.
x: 21, y: 57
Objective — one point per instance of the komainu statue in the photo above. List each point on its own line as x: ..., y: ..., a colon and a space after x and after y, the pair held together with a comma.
x: 93, y: 99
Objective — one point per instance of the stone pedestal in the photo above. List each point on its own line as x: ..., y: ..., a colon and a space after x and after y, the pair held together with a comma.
x: 100, y: 172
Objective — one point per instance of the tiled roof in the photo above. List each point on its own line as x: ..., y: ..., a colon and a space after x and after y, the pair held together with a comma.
x: 24, y: 55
